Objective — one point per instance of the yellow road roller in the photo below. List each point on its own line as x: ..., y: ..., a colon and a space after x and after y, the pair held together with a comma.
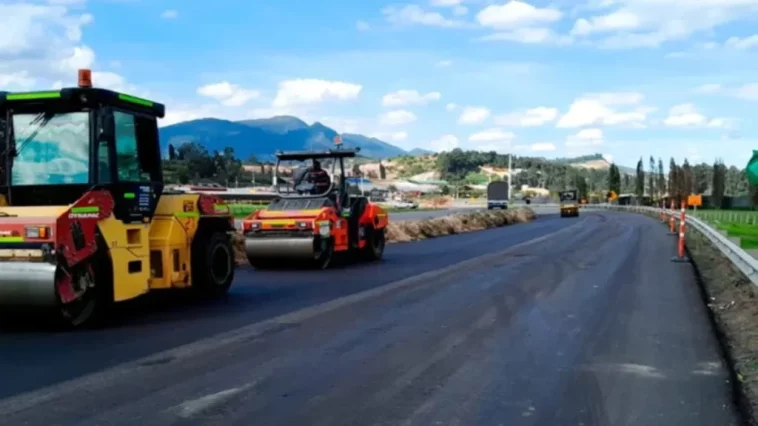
x: 84, y: 217
x: 569, y: 203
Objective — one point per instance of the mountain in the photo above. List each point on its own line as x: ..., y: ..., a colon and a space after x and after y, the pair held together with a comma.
x: 595, y: 161
x: 263, y: 137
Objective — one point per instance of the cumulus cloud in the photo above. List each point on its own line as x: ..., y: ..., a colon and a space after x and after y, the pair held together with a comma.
x: 415, y: 15
x: 42, y: 42
x: 474, y: 115
x: 492, y: 135
x: 515, y: 14
x: 228, y: 94
x: 532, y: 117
x: 585, y: 138
x: 451, y: 106
x: 444, y: 143
x: 645, y: 23
x: 391, y: 137
x: 600, y: 109
x: 686, y: 115
x: 396, y: 118
x: 312, y: 91
x: 409, y: 97
x: 170, y: 14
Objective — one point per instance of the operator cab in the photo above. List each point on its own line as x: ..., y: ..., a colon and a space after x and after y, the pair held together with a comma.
x: 302, y: 194
x: 56, y: 146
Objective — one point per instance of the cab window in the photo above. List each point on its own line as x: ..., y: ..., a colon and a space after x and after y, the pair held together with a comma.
x: 127, y: 155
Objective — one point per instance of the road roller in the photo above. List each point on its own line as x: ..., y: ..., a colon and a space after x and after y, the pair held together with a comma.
x: 313, y: 219
x: 85, y: 221
x: 569, y: 203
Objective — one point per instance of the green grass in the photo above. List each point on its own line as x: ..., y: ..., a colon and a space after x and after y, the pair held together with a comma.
x: 737, y: 223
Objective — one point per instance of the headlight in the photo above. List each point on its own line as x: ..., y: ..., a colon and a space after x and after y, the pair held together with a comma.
x: 324, y: 228
x: 36, y: 232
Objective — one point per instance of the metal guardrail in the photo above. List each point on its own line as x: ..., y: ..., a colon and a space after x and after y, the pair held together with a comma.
x: 746, y: 263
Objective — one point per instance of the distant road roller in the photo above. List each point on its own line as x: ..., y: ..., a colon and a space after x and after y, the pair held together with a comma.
x: 84, y: 218
x: 315, y: 218
x: 569, y: 203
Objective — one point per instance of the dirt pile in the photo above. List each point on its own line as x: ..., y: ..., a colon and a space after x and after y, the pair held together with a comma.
x: 412, y: 230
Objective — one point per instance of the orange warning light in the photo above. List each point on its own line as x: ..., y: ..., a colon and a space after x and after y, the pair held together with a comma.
x: 85, y: 78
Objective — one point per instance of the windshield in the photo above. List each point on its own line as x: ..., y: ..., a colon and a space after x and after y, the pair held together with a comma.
x: 568, y: 196
x: 306, y: 177
x: 51, y: 149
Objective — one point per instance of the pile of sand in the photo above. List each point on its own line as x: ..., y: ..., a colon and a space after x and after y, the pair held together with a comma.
x: 412, y: 230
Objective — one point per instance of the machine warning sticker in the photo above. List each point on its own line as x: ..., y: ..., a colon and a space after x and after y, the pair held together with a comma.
x: 189, y: 206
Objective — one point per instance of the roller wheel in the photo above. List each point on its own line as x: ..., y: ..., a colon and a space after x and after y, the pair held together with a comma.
x: 88, y: 307
x: 213, y: 266
x: 324, y: 252
x: 375, y: 242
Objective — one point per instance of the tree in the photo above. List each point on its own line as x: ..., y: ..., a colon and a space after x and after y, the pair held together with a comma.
x: 581, y: 186
x: 614, y: 179
x: 651, y: 179
x: 719, y: 184
x: 382, y: 171
x: 673, y: 188
x: 171, y: 152
x: 639, y: 187
x: 356, y: 170
x: 661, y: 178
x: 688, y: 179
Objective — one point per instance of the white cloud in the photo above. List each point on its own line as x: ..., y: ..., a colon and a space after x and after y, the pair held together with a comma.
x: 542, y: 147
x: 742, y: 43
x: 444, y: 63
x: 228, y: 94
x: 414, y: 15
x: 409, y: 97
x: 391, y: 137
x: 597, y: 109
x: 170, y: 14
x: 460, y: 10
x: 396, y: 118
x: 585, y: 138
x: 444, y: 143
x: 41, y: 43
x: 474, y: 115
x: 650, y: 23
x: 686, y: 115
x: 528, y: 36
x: 516, y: 14
x: 362, y: 26
x: 530, y: 118
x: 18, y: 79
x: 312, y: 91
x: 445, y: 3
x: 492, y: 135
x: 451, y: 106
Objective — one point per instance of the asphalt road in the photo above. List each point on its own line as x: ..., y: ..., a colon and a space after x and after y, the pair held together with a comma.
x: 576, y: 321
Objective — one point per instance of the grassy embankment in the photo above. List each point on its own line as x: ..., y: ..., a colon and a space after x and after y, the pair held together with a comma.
x: 737, y: 223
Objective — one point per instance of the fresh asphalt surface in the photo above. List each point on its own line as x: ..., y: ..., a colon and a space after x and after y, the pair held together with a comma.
x: 589, y: 325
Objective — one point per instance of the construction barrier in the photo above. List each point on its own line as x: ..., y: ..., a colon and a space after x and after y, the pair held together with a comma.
x: 681, y: 255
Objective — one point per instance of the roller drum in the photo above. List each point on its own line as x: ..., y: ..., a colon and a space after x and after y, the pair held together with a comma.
x: 27, y: 284
x: 280, y: 248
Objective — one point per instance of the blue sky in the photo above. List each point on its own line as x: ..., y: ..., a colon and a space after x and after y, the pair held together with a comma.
x: 621, y: 77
